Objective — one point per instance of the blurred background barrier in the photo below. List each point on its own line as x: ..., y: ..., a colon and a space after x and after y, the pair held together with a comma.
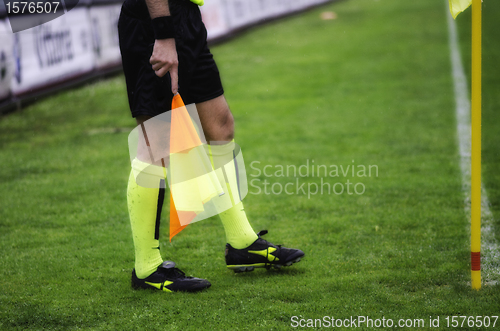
x: 83, y: 43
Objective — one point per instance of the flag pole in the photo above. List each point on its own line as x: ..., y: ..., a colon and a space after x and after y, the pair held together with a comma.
x: 476, y: 147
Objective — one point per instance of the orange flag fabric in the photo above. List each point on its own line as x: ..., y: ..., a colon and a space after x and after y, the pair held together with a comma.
x: 183, y: 137
x: 175, y: 224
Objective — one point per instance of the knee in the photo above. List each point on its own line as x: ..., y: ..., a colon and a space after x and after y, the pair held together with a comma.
x: 216, y: 119
x: 222, y: 128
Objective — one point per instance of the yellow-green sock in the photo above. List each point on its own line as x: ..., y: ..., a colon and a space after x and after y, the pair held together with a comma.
x: 144, y: 206
x: 239, y: 232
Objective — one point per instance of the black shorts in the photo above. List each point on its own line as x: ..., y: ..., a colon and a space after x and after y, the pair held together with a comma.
x: 199, y: 78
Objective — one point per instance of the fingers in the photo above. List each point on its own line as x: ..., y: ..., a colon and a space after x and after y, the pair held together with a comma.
x: 164, y: 59
x: 156, y: 66
x: 162, y: 71
x: 161, y: 68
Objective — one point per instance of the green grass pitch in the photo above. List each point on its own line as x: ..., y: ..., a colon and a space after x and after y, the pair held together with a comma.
x: 372, y: 87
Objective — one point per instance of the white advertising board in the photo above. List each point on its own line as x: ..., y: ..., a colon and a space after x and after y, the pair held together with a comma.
x: 6, y: 59
x: 104, y: 21
x: 214, y: 16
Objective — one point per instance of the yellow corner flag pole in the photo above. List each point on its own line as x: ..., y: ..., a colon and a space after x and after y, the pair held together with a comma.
x: 476, y: 147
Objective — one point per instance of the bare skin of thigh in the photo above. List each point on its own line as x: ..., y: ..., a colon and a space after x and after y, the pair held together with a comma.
x: 215, y: 117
